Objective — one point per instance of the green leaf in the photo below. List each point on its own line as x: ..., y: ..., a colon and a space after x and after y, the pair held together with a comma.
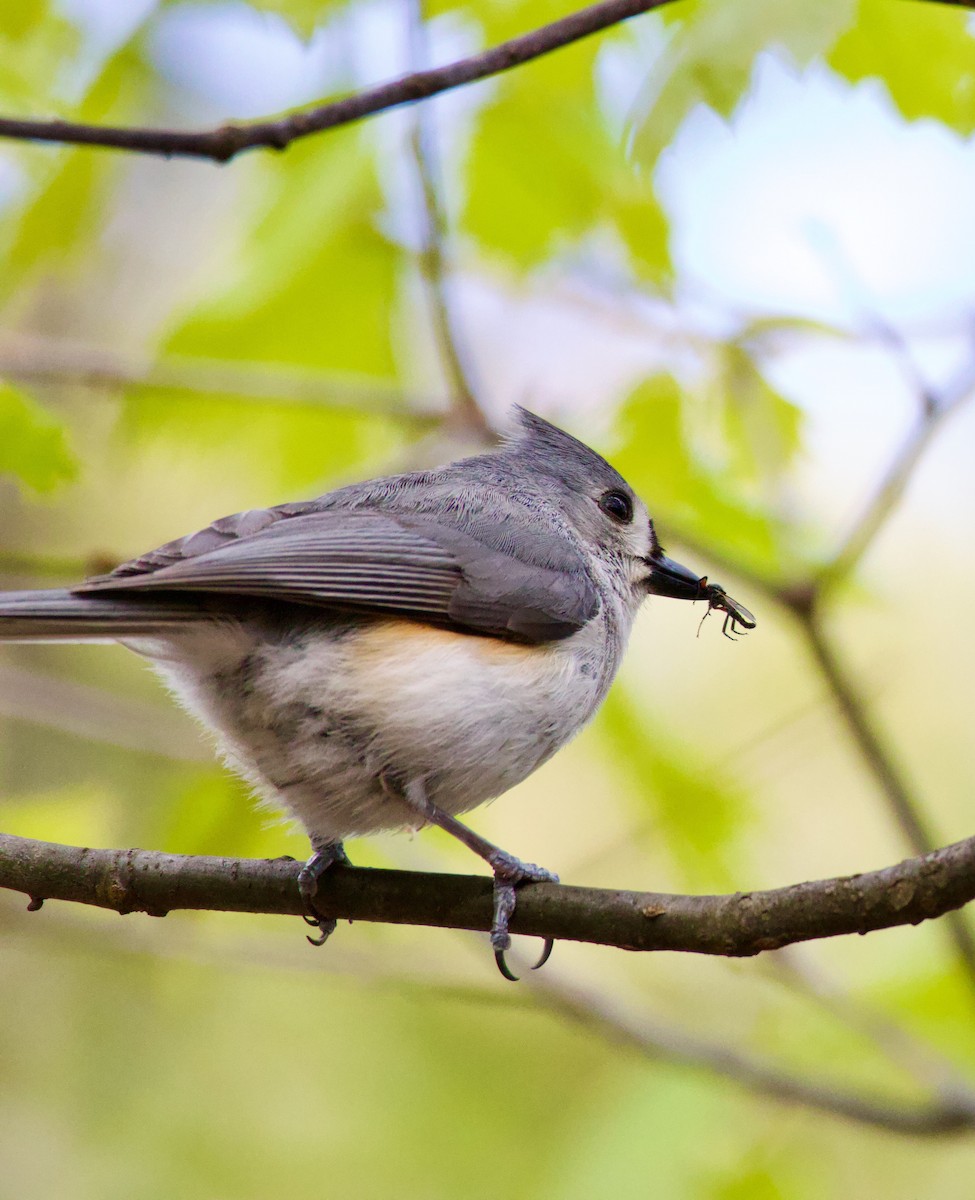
x: 544, y: 172
x: 283, y: 450
x: 303, y: 16
x: 697, y: 813
x: 761, y: 430
x: 19, y: 20
x: 686, y: 490
x: 924, y: 53
x: 36, y: 46
x: 64, y: 205
x: 318, y: 278
x: 710, y: 58
x: 33, y: 445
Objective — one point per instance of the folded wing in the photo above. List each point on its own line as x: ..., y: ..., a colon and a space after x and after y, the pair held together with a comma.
x: 368, y: 561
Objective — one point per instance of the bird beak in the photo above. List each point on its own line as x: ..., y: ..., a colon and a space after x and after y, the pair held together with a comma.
x: 669, y: 578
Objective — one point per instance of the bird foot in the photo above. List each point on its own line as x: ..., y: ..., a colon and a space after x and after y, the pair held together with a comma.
x: 326, y: 855
x: 509, y: 874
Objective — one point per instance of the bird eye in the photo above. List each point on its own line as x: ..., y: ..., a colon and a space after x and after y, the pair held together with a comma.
x: 618, y: 505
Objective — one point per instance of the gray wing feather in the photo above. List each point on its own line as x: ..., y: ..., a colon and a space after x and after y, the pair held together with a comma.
x: 374, y: 562
x: 59, y: 615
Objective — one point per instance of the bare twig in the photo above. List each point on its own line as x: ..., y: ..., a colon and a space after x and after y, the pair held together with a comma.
x: 950, y: 1110
x: 935, y: 408
x: 44, y: 360
x: 877, y: 756
x: 737, y: 925
x: 226, y: 142
x: 931, y: 1068
x: 98, y: 716
x: 453, y: 352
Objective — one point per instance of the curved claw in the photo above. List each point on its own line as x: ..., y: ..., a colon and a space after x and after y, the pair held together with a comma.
x: 326, y: 926
x: 546, y: 953
x: 325, y: 856
x: 503, y: 967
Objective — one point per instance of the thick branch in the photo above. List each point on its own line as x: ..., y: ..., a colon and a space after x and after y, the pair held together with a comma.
x: 736, y: 925
x: 224, y: 143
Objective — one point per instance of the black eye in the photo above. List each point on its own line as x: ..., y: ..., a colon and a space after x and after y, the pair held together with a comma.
x: 618, y: 505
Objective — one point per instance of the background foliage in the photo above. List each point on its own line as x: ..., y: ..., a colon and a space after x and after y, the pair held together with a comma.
x: 728, y: 244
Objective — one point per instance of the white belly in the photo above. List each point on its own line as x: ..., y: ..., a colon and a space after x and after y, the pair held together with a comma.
x: 316, y: 722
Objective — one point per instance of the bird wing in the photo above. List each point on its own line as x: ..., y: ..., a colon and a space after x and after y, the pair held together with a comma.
x: 369, y: 561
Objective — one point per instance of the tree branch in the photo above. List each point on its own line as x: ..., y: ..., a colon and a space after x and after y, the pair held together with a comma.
x: 934, y: 409
x: 951, y: 1108
x: 737, y: 925
x: 454, y: 356
x: 227, y: 141
x: 56, y: 361
x: 879, y: 761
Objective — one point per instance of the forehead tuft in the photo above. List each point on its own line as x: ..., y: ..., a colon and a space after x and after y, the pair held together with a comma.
x: 550, y: 450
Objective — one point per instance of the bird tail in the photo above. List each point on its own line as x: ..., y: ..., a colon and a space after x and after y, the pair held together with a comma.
x: 60, y: 615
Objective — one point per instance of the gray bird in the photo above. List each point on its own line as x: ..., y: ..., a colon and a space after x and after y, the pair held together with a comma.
x: 399, y: 651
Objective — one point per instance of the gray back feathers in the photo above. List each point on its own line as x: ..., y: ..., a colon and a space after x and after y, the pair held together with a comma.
x: 486, y: 545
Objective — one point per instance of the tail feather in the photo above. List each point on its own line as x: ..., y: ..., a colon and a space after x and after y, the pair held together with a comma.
x: 60, y: 615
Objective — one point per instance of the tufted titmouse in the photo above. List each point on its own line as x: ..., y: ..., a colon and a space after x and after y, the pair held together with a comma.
x: 396, y: 652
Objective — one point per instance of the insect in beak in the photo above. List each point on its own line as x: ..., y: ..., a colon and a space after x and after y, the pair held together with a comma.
x: 735, y: 614
x: 669, y: 578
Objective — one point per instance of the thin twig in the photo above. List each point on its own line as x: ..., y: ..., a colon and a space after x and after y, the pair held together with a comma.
x: 43, y: 360
x: 227, y: 141
x: 795, y: 968
x: 906, y: 809
x: 951, y: 1107
x: 98, y: 716
x: 432, y: 216
x: 935, y: 408
x: 951, y: 1110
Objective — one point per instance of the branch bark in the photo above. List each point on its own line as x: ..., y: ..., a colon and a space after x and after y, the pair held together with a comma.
x: 738, y: 925
x: 227, y: 141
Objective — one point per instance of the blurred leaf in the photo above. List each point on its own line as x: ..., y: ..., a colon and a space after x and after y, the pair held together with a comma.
x: 938, y: 1003
x: 18, y: 20
x: 747, y: 1182
x: 761, y: 430
x: 542, y: 174
x: 61, y: 217
x: 284, y: 451
x: 64, y: 207
x: 209, y: 811
x: 681, y: 490
x: 710, y: 58
x: 501, y: 19
x: 33, y: 445
x: 318, y: 278
x: 923, y: 53
x: 37, y: 43
x: 304, y: 16
x: 697, y: 813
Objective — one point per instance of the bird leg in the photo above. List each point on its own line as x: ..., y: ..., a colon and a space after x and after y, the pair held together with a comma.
x: 326, y: 854
x: 509, y: 874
